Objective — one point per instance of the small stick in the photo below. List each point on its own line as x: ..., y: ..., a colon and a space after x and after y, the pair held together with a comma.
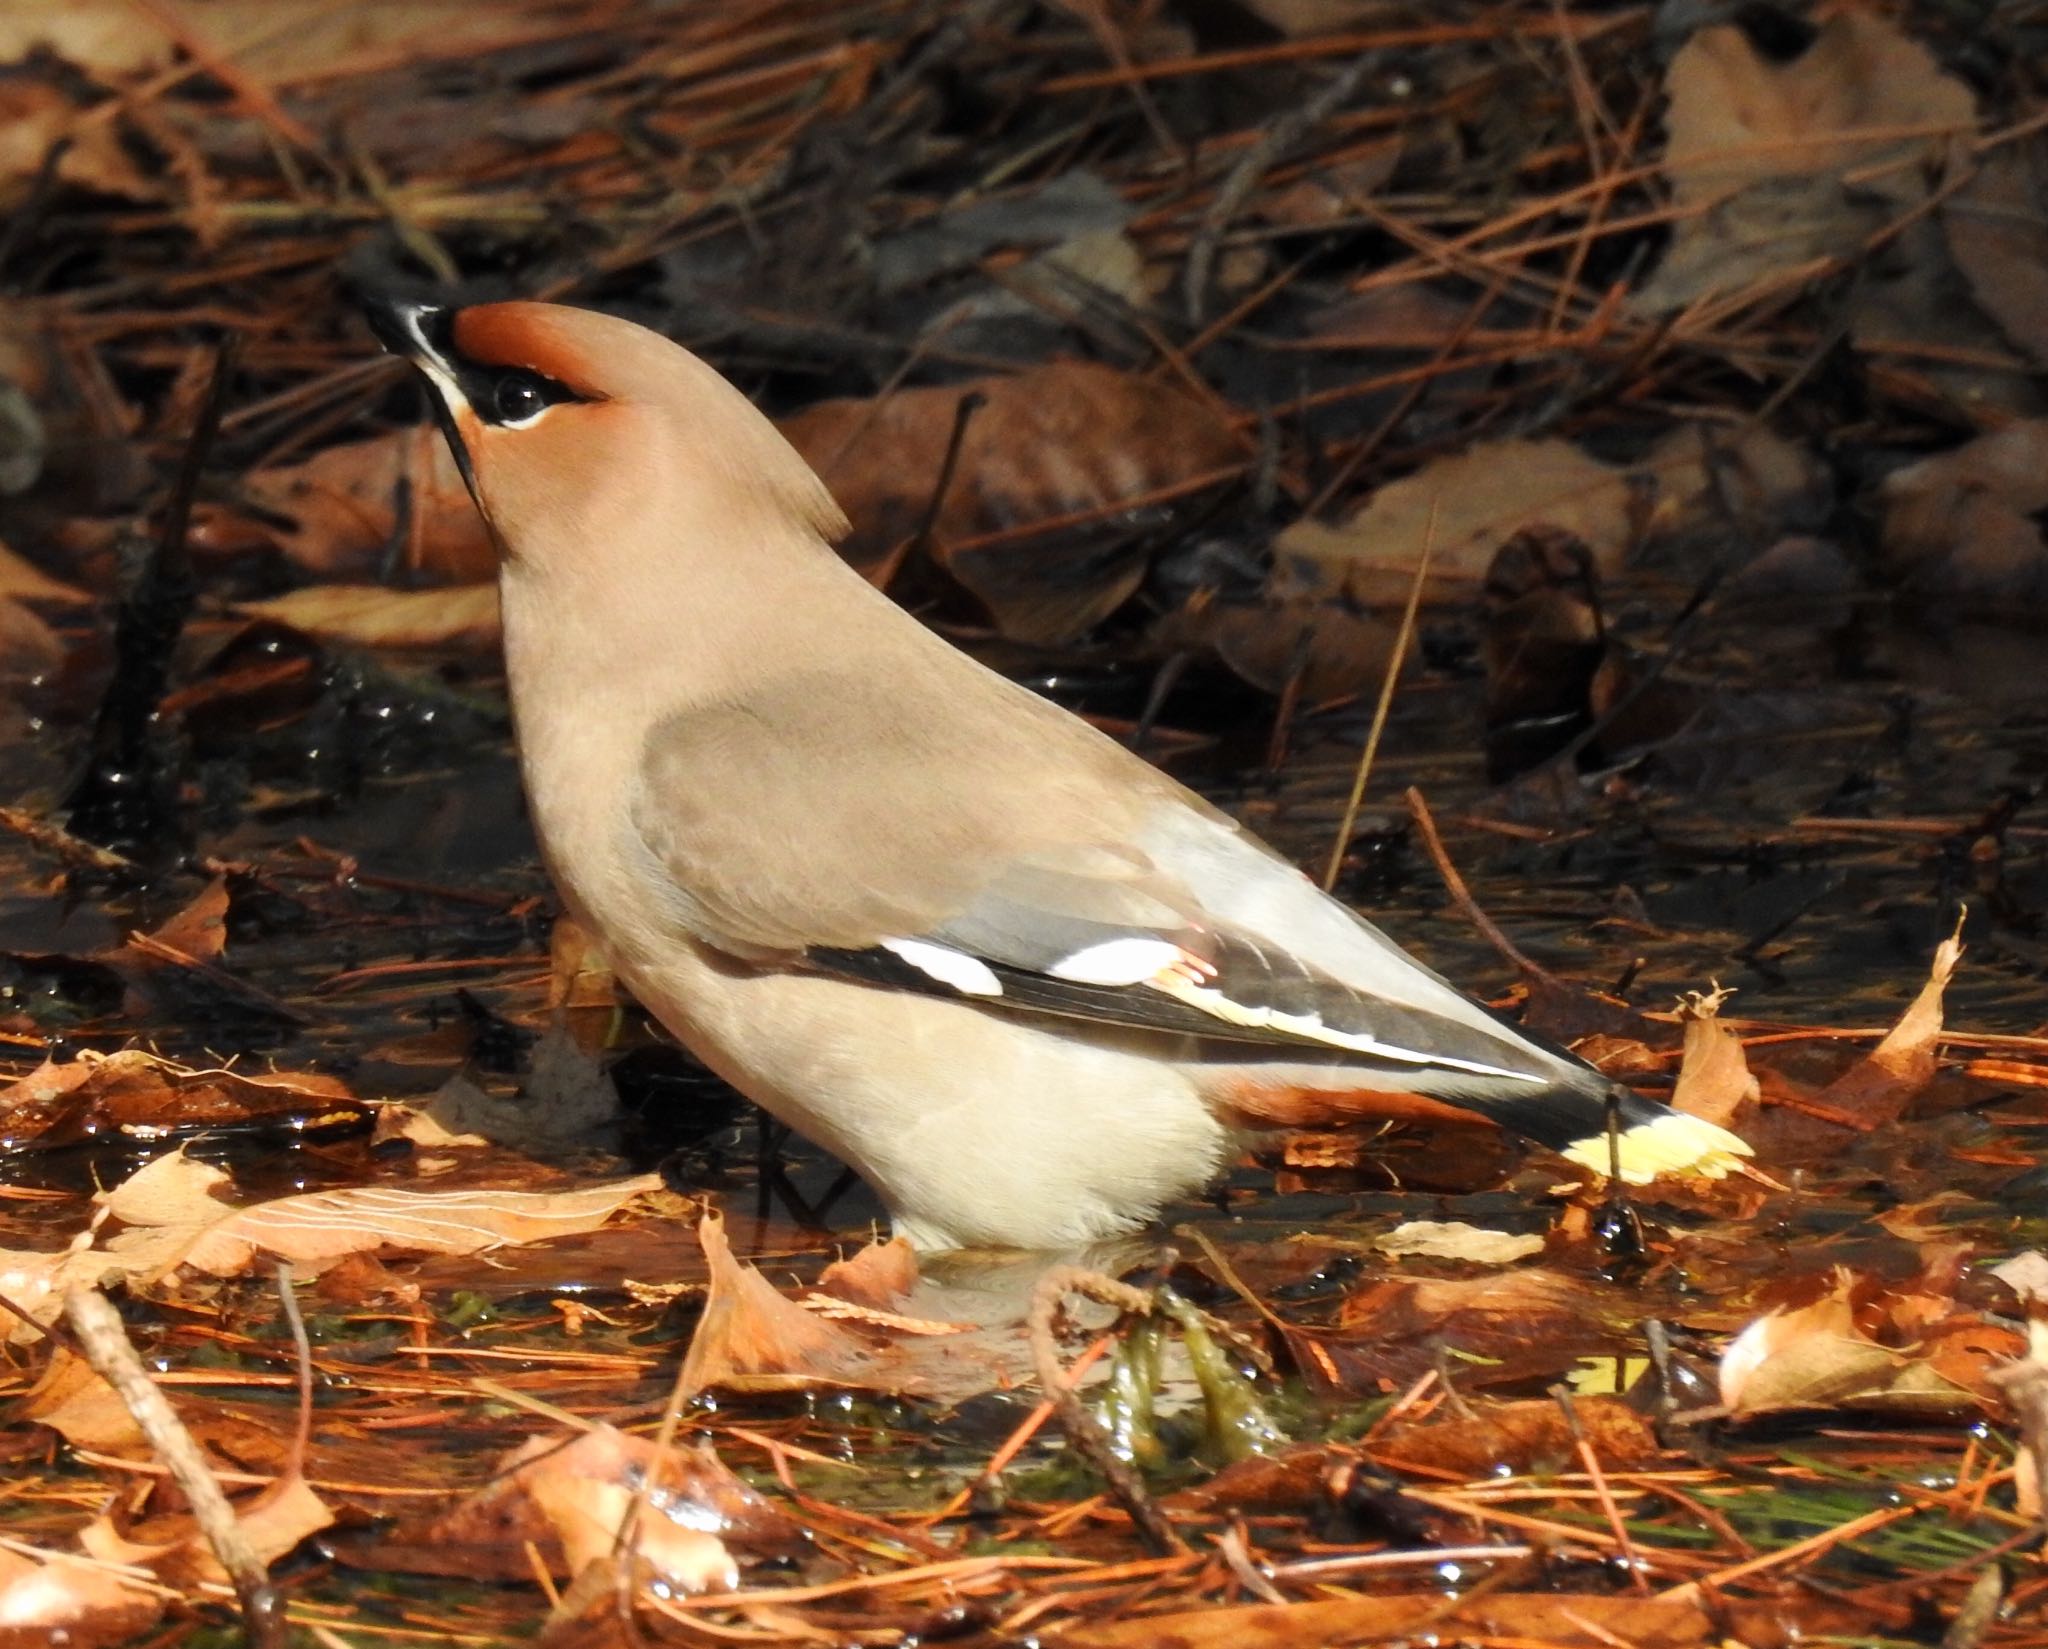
x: 1461, y: 896
x: 105, y: 1345
x: 920, y: 542
x: 1253, y: 165
x: 1018, y: 1440
x: 1446, y: 358
x: 1601, y: 1492
x: 121, y: 798
x: 1342, y: 844
x: 302, y: 1346
x: 74, y: 850
x: 1083, y: 1430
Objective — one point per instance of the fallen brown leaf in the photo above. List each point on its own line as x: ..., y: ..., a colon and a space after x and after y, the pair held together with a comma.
x: 1714, y: 1079
x: 273, y: 1521
x: 97, y: 1093
x: 1876, y: 1089
x: 35, y: 116
x: 1965, y: 522
x: 1318, y: 646
x: 881, y: 1275
x: 568, y: 1496
x: 1472, y: 503
x: 345, y: 521
x: 1821, y: 1356
x: 74, y: 1400
x: 174, y: 1220
x: 1998, y: 235
x: 1776, y: 165
x: 1068, y: 438
x: 369, y: 615
x: 750, y: 1338
x: 1456, y: 1240
x: 28, y: 646
x: 1527, y: 1322
x: 23, y: 580
x: 1532, y: 1435
x: 1563, y: 1620
x: 313, y: 1230
x: 49, y: 1598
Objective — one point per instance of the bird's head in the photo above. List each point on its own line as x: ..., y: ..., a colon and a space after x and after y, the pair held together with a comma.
x: 577, y: 430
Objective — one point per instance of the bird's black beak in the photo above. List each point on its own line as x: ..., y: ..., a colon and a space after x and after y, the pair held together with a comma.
x: 422, y: 332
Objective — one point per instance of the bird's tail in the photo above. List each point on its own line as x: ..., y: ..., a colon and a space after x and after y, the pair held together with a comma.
x: 1599, y: 1124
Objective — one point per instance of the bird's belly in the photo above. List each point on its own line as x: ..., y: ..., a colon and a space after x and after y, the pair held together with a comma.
x: 976, y: 1130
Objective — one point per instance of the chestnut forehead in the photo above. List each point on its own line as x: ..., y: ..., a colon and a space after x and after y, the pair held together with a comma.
x: 539, y: 337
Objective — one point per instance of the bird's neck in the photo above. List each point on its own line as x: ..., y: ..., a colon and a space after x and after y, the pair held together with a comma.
x: 596, y: 655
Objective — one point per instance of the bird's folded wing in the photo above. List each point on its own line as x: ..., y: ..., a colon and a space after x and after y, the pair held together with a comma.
x: 1051, y: 876
x: 1036, y: 942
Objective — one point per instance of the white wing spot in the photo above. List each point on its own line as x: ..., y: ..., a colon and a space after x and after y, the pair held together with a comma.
x: 966, y: 974
x: 1118, y: 962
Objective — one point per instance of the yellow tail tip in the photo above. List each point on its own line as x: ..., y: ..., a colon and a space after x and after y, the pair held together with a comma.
x: 1670, y: 1144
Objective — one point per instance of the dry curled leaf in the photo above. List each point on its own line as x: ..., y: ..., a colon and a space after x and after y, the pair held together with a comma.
x: 1714, y: 1079
x: 174, y: 1220
x: 96, y: 1094
x: 1933, y: 1359
x: 1456, y: 1240
x: 751, y: 1338
x: 1966, y: 522
x: 50, y: 1598
x: 1468, y: 505
x: 881, y: 1275
x: 462, y: 616
x: 273, y: 1522
x: 74, y: 1400
x: 1065, y: 439
x: 1776, y: 165
x: 351, y: 507
x: 1876, y: 1088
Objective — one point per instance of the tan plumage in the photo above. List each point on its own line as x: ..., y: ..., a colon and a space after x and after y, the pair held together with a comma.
x: 1023, y: 982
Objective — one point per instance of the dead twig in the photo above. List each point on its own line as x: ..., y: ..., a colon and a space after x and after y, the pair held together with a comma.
x: 1461, y: 895
x: 1252, y: 166
x: 105, y: 1344
x: 1083, y: 1430
x: 1562, y: 1395
x: 920, y: 542
x: 1402, y: 637
x: 118, y: 798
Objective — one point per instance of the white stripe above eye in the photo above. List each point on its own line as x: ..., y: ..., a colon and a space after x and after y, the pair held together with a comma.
x: 1118, y: 962
x: 966, y: 974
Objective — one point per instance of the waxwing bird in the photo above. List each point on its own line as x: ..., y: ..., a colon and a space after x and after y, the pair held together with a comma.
x: 1026, y: 985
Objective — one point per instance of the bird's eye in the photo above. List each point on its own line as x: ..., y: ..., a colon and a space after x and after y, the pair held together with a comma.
x: 520, y: 397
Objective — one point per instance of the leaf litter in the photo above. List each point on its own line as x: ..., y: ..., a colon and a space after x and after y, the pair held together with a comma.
x: 1707, y: 345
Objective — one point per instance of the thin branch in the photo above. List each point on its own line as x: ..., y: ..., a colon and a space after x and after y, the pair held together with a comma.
x: 104, y: 1341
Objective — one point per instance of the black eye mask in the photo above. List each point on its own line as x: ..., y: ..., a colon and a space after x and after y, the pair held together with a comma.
x: 512, y: 396
x: 501, y: 396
